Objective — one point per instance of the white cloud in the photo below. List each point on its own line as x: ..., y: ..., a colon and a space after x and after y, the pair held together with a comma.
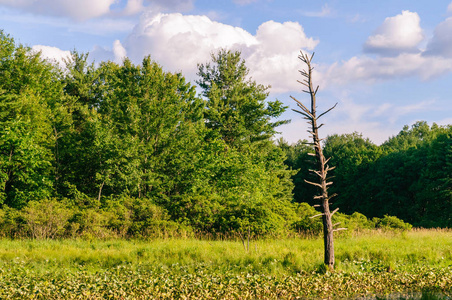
x: 400, y: 111
x: 99, y: 54
x: 398, y: 36
x: 370, y: 70
x: 119, y: 51
x: 449, y: 8
x: 82, y: 10
x: 441, y: 42
x: 133, y: 7
x: 53, y: 54
x: 79, y: 10
x: 102, y: 26
x: 274, y: 59
x: 180, y: 42
x: 99, y: 26
x: 401, y: 33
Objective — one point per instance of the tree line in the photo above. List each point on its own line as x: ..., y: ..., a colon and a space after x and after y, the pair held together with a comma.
x: 408, y: 176
x: 131, y: 144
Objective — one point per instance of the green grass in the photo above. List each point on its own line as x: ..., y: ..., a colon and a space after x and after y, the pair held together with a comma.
x: 369, y: 263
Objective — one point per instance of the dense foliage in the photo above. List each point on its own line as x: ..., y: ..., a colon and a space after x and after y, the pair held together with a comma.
x: 131, y: 150
x: 409, y: 176
x: 121, y: 137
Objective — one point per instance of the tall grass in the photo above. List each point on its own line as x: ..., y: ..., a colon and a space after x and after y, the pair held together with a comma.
x: 403, y: 250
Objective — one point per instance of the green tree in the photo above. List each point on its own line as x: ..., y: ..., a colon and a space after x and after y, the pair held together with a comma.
x: 236, y: 106
x: 252, y: 178
x: 407, y: 176
x: 31, y: 98
x: 156, y: 116
x: 353, y: 157
x: 299, y: 159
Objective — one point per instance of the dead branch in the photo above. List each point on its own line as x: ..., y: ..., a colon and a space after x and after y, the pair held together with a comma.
x: 316, y: 216
x: 327, y: 111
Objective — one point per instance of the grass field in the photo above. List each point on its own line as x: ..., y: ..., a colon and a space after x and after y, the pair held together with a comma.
x: 386, y: 264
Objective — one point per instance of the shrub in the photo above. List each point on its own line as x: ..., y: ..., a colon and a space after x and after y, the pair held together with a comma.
x: 148, y: 219
x: 46, y: 218
x: 93, y: 224
x: 119, y: 217
x: 358, y: 221
x: 391, y: 223
x: 12, y: 223
x: 306, y: 224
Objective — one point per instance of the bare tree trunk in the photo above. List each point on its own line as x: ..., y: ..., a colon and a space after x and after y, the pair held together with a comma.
x: 100, y: 190
x: 321, y: 162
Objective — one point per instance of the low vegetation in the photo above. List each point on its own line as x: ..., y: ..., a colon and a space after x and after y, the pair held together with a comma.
x: 373, y: 263
x: 133, y: 218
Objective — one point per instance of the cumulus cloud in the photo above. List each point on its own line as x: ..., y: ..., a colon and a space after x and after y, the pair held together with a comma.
x: 179, y: 42
x: 274, y: 59
x: 398, y: 36
x: 441, y: 42
x: 52, y: 54
x: 133, y: 7
x: 99, y: 54
x: 401, y: 33
x: 79, y: 10
x: 119, y: 51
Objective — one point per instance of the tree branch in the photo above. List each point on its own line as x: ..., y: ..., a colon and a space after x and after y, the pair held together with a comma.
x: 319, y: 215
x: 302, y: 113
x: 327, y: 111
x: 333, y: 195
x: 313, y: 183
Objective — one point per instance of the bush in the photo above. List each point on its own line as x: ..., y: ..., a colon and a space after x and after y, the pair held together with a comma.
x: 46, y: 218
x: 358, y: 221
x: 305, y: 224
x: 93, y: 224
x: 391, y: 223
x: 119, y: 217
x: 148, y: 219
x: 12, y: 223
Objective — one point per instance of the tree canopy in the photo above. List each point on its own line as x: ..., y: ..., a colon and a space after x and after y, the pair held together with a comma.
x: 138, y: 143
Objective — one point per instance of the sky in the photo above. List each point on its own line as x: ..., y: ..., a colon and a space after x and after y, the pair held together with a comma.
x: 386, y: 63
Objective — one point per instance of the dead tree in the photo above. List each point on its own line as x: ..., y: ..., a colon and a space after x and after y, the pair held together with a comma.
x: 322, y: 164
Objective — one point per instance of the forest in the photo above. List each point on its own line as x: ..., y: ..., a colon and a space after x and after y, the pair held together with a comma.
x: 125, y: 150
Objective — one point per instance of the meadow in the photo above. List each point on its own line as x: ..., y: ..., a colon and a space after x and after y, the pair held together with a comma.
x: 374, y: 264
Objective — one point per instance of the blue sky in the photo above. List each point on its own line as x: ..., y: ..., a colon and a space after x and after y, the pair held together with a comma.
x: 386, y: 63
